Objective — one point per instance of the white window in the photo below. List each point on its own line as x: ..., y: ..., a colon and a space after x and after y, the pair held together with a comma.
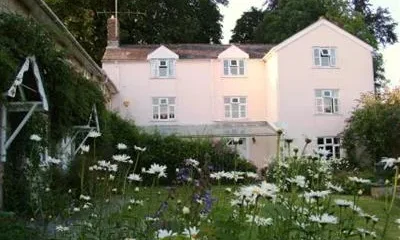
x: 163, y: 108
x: 331, y: 144
x: 327, y: 101
x: 324, y: 56
x: 163, y: 68
x: 235, y: 107
x: 234, y: 67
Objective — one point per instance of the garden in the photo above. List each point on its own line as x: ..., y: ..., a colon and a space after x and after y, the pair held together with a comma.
x: 126, y: 184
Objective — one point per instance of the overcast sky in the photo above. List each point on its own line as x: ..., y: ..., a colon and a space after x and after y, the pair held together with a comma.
x: 391, y: 53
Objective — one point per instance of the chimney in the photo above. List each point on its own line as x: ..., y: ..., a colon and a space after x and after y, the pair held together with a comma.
x: 112, y: 32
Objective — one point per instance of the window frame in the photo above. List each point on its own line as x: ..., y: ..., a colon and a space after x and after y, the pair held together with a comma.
x: 336, y: 147
x: 227, y: 67
x: 168, y: 105
x: 320, y: 101
x: 239, y: 104
x: 170, y: 68
x: 332, y: 56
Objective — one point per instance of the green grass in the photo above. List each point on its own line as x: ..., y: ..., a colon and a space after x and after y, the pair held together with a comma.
x: 222, y: 205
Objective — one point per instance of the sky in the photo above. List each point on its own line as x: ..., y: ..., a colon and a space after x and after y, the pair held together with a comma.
x: 391, y: 53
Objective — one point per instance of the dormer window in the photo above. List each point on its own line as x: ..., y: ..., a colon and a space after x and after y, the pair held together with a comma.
x: 324, y: 56
x: 163, y: 68
x: 234, y: 67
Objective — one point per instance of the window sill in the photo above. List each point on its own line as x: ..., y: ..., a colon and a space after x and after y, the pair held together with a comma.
x: 233, y: 120
x: 329, y: 114
x: 163, y: 121
x: 162, y: 78
x: 316, y: 67
x: 233, y: 76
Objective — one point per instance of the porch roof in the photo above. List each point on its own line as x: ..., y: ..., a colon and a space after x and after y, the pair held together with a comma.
x: 218, y: 129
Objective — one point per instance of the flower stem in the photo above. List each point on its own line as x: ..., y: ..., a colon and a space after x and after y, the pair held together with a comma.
x: 391, y: 203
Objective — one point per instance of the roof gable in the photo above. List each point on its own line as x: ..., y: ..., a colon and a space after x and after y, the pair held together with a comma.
x: 233, y: 52
x: 162, y: 52
x: 312, y: 27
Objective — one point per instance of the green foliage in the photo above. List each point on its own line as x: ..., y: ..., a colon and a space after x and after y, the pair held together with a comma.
x: 141, y: 21
x: 13, y: 229
x: 70, y: 96
x: 373, y: 128
x: 246, y: 26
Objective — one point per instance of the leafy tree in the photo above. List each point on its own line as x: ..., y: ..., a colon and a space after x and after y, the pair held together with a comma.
x: 247, y: 25
x: 374, y: 127
x: 141, y: 21
x: 283, y: 18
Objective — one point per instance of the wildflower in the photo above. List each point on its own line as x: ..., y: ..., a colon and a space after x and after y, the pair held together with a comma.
x: 70, y: 191
x: 299, y: 180
x: 114, y: 190
x: 121, y: 158
x: 363, y: 232
x: 359, y: 180
x: 35, y: 137
x: 217, y: 175
x: 47, y: 189
x: 75, y: 209
x: 360, y: 192
x: 86, y: 198
x: 322, y: 152
x: 94, y: 134
x: 32, y: 219
x: 86, y: 205
x: 111, y: 177
x: 93, y: 215
x: 121, y: 146
x: 61, y: 228
x: 162, y: 233
x: 185, y: 210
x: 53, y: 160
x: 252, y: 175
x: 139, y: 148
x: 160, y: 169
x: 228, y: 190
x: 136, y: 189
x: 259, y: 221
x: 134, y: 177
x: 390, y: 162
x: 316, y: 194
x: 343, y: 203
x: 85, y: 148
x: 191, y: 162
x: 324, y: 219
x: 191, y: 232
x: 334, y: 187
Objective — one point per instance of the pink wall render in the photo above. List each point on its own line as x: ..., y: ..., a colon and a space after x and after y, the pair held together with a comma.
x: 298, y: 80
x: 279, y: 83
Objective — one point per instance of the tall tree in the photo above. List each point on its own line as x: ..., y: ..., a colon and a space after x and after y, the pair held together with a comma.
x: 244, y: 31
x: 283, y: 18
x: 141, y: 21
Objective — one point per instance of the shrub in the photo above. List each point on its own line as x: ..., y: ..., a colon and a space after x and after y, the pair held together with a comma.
x: 374, y: 129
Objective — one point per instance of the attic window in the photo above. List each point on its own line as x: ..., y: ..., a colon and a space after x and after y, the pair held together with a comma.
x: 324, y: 56
x: 162, y: 68
x: 234, y: 67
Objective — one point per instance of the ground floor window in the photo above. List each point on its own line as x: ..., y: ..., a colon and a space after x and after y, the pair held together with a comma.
x: 331, y: 144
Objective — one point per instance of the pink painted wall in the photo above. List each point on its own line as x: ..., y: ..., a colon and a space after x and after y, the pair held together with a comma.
x: 298, y: 79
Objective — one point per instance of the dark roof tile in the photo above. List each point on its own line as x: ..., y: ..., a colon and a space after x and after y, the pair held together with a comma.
x: 185, y: 51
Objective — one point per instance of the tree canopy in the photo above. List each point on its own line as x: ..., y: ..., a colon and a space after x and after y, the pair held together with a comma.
x: 283, y: 18
x: 141, y: 21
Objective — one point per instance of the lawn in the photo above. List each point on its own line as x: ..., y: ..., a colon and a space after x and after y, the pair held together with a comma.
x: 221, y: 206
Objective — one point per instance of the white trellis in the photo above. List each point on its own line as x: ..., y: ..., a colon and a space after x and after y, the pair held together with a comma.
x: 23, y: 104
x: 69, y: 145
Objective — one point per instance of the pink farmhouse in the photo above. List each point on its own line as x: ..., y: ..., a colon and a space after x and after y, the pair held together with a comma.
x: 308, y: 85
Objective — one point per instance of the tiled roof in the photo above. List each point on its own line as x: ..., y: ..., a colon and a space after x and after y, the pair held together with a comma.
x: 185, y: 51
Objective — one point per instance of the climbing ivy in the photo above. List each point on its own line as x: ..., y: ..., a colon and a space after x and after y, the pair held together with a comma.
x: 69, y: 94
